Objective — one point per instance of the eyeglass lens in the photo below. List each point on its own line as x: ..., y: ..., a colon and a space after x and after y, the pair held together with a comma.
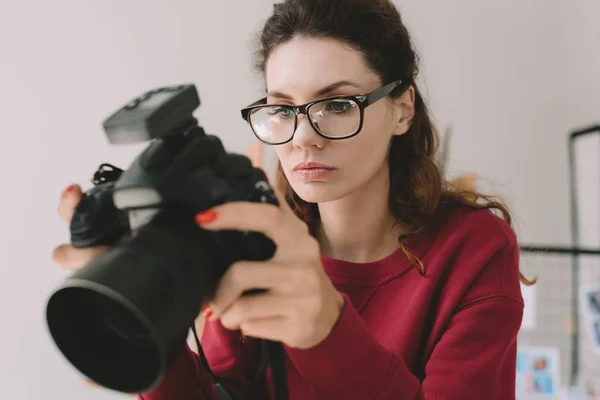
x: 332, y: 118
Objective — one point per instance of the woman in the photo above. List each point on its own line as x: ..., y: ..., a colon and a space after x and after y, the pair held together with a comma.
x: 387, y: 283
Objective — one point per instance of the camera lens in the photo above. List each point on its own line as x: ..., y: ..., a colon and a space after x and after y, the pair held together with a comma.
x: 116, y: 320
x: 104, y: 339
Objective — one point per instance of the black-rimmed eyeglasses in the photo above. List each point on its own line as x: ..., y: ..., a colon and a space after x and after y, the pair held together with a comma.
x: 334, y: 118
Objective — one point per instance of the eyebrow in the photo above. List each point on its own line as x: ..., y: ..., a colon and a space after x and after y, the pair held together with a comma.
x: 320, y: 92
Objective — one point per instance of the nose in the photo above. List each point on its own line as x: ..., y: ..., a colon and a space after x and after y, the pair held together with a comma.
x: 306, y: 136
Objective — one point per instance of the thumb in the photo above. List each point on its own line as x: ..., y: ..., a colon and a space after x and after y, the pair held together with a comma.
x: 68, y: 202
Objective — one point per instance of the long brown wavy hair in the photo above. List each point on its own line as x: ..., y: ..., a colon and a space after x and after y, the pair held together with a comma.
x: 418, y: 194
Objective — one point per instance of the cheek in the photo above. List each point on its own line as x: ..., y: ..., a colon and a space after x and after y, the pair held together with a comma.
x: 364, y: 154
x: 373, y: 140
x: 284, y: 155
x: 379, y: 121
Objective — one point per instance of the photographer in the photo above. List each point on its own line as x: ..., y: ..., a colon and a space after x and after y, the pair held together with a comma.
x: 387, y: 282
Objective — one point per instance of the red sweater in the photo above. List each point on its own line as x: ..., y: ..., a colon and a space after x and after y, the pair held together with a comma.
x: 451, y: 334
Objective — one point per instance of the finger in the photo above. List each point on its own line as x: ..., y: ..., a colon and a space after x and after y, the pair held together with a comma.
x: 276, y: 329
x: 248, y: 275
x: 68, y: 202
x: 243, y: 216
x: 257, y: 306
x: 71, y: 258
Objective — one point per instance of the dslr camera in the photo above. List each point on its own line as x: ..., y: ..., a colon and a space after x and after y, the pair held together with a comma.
x: 123, y: 318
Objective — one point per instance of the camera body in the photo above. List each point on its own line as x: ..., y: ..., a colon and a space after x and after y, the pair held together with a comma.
x: 124, y: 317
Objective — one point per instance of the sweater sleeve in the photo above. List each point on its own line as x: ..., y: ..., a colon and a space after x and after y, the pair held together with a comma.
x: 234, y: 362
x: 475, y: 359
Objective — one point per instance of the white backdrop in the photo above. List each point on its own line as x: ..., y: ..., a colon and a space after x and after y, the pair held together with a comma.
x: 511, y: 78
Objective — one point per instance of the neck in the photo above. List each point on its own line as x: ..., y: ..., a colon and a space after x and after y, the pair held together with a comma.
x: 359, y: 227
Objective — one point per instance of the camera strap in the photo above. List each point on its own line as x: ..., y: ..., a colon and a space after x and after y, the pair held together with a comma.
x: 106, y: 173
x: 272, y: 353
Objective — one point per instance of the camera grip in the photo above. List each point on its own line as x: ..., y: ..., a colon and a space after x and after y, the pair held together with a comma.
x: 97, y: 221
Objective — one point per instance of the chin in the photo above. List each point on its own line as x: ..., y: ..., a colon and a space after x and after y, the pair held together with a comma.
x: 317, y: 192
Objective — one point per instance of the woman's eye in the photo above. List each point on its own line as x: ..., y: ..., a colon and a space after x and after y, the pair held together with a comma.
x: 338, y: 106
x: 282, y: 112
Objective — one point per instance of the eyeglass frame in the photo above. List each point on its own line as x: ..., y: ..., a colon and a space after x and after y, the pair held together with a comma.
x: 363, y: 101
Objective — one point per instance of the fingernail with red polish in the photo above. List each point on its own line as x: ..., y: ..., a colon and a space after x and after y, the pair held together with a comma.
x: 69, y: 189
x: 206, y: 217
x: 207, y: 312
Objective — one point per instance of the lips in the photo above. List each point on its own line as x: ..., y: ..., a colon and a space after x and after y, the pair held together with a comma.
x: 311, y: 165
x: 312, y: 171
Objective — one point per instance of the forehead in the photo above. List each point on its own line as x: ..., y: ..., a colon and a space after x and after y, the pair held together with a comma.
x: 303, y: 66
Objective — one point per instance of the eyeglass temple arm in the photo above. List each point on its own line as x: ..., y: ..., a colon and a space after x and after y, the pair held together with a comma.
x: 382, y: 92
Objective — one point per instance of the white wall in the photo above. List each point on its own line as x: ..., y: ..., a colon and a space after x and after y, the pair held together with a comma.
x: 64, y: 66
x: 510, y: 78
x: 500, y: 74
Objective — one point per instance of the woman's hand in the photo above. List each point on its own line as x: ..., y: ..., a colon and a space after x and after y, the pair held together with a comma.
x: 301, y: 305
x: 65, y: 255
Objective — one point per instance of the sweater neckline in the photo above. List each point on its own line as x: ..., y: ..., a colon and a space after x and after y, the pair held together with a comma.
x: 378, y: 271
